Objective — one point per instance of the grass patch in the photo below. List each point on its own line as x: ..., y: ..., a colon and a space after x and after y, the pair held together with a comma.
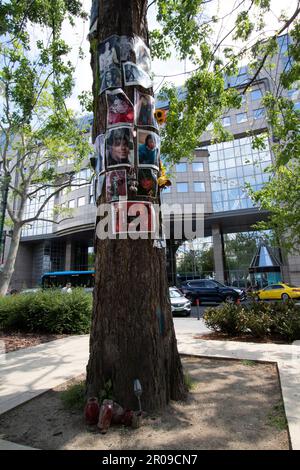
x: 276, y: 417
x: 248, y: 362
x: 189, y: 382
x: 74, y: 397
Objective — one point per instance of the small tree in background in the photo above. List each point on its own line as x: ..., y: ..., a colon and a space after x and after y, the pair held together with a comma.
x: 37, y: 130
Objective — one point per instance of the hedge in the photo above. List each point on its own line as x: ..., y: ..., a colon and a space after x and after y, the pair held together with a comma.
x: 261, y: 319
x: 47, y: 311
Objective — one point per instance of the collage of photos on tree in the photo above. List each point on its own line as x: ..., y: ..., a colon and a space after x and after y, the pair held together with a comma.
x: 127, y: 155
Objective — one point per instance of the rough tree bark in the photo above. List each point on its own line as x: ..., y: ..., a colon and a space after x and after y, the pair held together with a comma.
x: 8, y: 270
x: 132, y: 334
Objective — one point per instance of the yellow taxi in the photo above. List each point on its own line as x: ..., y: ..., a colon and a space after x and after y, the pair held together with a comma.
x: 278, y: 291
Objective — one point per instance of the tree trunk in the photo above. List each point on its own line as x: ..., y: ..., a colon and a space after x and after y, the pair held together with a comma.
x: 132, y: 334
x: 9, y: 267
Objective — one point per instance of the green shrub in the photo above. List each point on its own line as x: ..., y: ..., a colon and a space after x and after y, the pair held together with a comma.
x: 49, y: 311
x: 258, y: 325
x: 286, y: 320
x: 258, y: 319
x: 228, y: 318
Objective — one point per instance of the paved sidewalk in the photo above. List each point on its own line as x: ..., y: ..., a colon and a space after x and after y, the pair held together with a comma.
x: 29, y: 372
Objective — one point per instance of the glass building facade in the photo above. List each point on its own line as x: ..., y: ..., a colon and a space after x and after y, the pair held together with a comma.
x: 232, y: 165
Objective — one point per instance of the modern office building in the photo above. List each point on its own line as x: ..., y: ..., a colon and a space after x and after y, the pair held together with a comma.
x: 215, y: 178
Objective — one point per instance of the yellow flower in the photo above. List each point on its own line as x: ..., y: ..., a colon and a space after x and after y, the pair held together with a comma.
x: 163, y: 179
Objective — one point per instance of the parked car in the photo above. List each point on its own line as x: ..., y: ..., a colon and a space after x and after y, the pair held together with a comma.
x: 209, y: 290
x: 179, y: 304
x: 277, y: 292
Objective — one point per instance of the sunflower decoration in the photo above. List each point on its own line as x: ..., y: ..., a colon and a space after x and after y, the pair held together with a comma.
x: 163, y: 180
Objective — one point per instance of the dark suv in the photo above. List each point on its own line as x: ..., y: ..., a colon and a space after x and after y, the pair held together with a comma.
x: 208, y: 290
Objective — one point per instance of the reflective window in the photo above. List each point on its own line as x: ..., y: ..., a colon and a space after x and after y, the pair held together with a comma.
x: 256, y: 94
x: 228, y: 153
x: 71, y: 204
x: 181, y: 167
x: 283, y: 42
x: 230, y: 163
x: 199, y: 186
x: 226, y: 121
x: 258, y: 113
x: 213, y: 166
x: 241, y: 117
x: 198, y: 166
x: 182, y: 187
x: 241, y: 78
x: 81, y: 201
x: 39, y: 227
x: 245, y: 165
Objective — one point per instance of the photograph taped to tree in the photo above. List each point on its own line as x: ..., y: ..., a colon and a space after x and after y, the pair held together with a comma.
x: 134, y: 75
x: 133, y: 217
x: 110, y: 78
x: 126, y: 48
x: 109, y: 63
x: 119, y: 147
x: 99, y: 146
x: 148, y: 148
x: 144, y: 110
x: 99, y: 185
x: 116, y: 185
x: 133, y: 49
x: 109, y: 52
x: 142, y: 55
x: 147, y: 182
x: 119, y: 108
x: 94, y: 16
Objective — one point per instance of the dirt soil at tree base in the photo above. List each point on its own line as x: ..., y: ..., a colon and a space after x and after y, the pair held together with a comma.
x: 232, y: 405
x: 12, y: 341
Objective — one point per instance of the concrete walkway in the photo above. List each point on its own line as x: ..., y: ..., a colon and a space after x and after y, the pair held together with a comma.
x: 29, y: 372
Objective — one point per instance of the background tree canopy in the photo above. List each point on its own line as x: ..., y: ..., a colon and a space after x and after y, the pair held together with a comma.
x: 195, y: 30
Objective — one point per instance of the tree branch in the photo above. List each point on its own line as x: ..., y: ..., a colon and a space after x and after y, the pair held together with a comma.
x: 152, y: 3
x: 285, y: 26
x: 28, y: 221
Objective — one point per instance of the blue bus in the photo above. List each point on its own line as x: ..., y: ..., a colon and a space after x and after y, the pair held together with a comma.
x: 76, y: 278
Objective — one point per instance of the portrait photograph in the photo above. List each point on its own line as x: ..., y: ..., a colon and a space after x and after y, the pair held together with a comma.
x: 147, y: 182
x: 99, y: 146
x: 126, y: 48
x: 119, y: 108
x: 109, y: 63
x: 134, y: 75
x: 119, y: 147
x: 109, y: 52
x: 142, y: 55
x: 116, y: 185
x: 133, y: 217
x: 148, y: 148
x: 144, y: 110
x: 110, y: 78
